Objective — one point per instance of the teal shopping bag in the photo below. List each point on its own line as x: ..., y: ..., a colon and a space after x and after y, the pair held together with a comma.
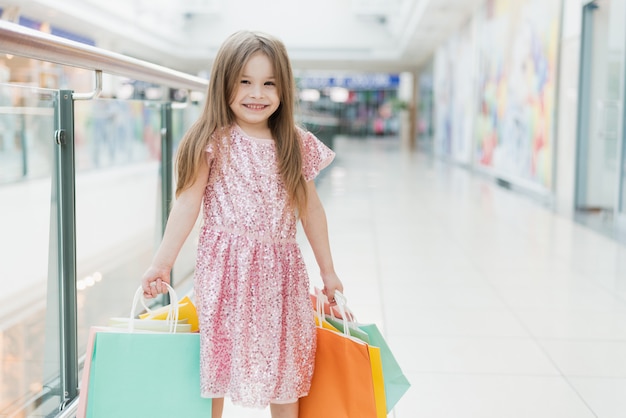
x: 354, y: 331
x: 145, y: 374
x: 396, y: 383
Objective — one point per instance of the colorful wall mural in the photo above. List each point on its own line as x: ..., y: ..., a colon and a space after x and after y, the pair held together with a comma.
x: 454, y: 78
x: 518, y: 51
x: 495, y: 88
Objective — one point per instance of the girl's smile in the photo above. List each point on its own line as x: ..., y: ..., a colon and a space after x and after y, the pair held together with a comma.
x: 255, y: 106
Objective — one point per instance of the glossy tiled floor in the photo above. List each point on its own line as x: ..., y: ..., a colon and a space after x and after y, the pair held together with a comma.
x: 494, y: 306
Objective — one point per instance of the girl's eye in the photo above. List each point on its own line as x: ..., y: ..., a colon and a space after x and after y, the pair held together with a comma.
x: 270, y: 83
x: 245, y: 82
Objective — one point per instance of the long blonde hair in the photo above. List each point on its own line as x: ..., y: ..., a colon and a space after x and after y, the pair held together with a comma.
x: 217, y: 115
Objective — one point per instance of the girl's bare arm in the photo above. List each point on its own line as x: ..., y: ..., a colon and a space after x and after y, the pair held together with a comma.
x: 181, y: 221
x: 316, y: 230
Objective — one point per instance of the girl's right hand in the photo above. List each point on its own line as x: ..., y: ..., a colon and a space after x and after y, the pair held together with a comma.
x: 331, y: 284
x: 154, y: 282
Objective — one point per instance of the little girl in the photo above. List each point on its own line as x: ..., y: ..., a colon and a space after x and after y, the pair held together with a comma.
x: 251, y: 169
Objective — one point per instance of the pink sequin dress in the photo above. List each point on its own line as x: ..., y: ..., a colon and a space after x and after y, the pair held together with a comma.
x: 251, y: 284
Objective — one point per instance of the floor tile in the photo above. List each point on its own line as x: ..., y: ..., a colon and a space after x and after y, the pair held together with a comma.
x: 516, y: 356
x: 556, y: 275
x: 481, y: 396
x: 572, y: 324
x: 453, y: 298
x: 580, y: 297
x: 236, y: 411
x: 606, y: 397
x: 588, y: 358
x: 457, y: 323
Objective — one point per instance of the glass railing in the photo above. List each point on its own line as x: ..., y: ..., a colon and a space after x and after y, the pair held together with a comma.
x: 28, y: 341
x: 84, y: 192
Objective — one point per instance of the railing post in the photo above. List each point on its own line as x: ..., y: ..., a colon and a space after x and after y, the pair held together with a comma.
x: 24, y: 145
x: 65, y: 185
x: 167, y: 166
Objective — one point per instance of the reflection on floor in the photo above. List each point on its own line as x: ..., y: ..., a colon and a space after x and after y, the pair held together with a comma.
x: 494, y: 306
x: 603, y: 222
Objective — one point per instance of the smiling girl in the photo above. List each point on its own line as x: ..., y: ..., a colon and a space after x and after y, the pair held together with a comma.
x: 251, y: 169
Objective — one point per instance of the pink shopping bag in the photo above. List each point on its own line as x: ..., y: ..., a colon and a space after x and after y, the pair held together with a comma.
x: 84, y: 381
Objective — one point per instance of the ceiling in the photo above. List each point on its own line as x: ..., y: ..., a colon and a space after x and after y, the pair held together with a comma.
x: 331, y: 35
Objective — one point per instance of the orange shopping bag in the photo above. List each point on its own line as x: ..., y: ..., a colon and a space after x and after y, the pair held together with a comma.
x: 342, y: 380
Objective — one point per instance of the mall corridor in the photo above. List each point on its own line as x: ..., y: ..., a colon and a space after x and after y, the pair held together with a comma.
x: 495, y: 306
x: 492, y: 254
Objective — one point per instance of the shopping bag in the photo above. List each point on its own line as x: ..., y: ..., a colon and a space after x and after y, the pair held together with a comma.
x: 136, y: 373
x: 342, y: 385
x: 378, y: 380
x: 186, y: 311
x: 348, y: 323
x: 317, y: 296
x: 395, y: 382
x: 144, y: 374
x: 354, y: 330
x: 325, y: 324
x: 155, y: 325
x: 84, y: 382
x: 169, y: 316
x: 318, y: 306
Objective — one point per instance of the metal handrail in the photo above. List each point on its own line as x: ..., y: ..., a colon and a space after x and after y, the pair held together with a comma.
x: 25, y: 42
x: 70, y: 409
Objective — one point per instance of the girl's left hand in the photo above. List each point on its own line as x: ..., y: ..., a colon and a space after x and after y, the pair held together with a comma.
x: 154, y: 282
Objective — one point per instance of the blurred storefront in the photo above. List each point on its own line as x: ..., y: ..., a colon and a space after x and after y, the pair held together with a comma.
x: 369, y: 104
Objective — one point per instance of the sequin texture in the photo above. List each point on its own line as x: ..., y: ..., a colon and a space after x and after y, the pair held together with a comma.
x: 251, y: 283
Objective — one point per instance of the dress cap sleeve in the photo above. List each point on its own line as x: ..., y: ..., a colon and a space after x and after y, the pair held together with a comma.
x: 315, y: 155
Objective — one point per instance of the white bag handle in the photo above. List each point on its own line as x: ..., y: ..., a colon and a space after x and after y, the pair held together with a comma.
x: 341, y: 302
x: 342, y: 306
x: 150, y: 312
x: 172, y: 312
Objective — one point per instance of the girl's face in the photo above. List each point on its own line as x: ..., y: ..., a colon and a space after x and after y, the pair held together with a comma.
x: 256, y: 96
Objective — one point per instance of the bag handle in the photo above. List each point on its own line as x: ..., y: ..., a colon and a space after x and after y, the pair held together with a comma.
x: 150, y: 312
x: 341, y: 304
x: 172, y: 312
x: 344, y: 302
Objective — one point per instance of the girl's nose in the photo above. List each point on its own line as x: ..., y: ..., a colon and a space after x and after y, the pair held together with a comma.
x: 256, y: 91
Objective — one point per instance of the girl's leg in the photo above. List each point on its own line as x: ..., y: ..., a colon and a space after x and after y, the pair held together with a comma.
x: 217, y: 408
x: 284, y: 410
